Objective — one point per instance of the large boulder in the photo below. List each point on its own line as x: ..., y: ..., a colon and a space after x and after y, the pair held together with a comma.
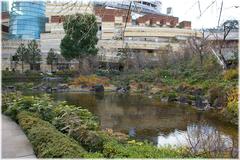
x: 122, y: 89
x: 202, y: 103
x: 97, y: 88
x: 184, y: 100
x: 62, y: 87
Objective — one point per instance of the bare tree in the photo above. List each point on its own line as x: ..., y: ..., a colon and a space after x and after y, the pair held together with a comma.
x: 221, y: 38
x: 199, y: 44
x: 125, y: 56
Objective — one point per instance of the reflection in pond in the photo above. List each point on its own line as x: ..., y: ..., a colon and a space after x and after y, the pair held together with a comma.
x: 177, y: 138
x: 207, y: 139
x: 160, y: 123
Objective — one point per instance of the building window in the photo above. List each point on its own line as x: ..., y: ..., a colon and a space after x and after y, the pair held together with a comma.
x: 30, y: 23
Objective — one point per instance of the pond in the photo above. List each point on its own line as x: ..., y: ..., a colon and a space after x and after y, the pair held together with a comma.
x: 161, y: 123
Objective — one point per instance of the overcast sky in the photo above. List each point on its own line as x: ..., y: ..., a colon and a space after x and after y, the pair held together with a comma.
x: 189, y: 10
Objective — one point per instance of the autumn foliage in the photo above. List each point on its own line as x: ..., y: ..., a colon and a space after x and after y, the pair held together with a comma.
x: 89, y: 81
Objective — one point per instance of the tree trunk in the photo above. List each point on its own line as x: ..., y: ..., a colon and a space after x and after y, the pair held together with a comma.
x: 22, y: 67
x: 223, y: 59
x: 51, y: 67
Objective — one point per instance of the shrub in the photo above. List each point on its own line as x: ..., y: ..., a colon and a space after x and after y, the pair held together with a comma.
x: 92, y: 141
x: 93, y: 155
x: 107, y: 73
x: 6, y: 74
x: 231, y: 74
x: 46, y: 140
x: 231, y: 111
x: 89, y: 81
x: 211, y: 66
x: 10, y: 76
x: 232, y: 104
x: 8, y: 100
x: 18, y: 104
x: 66, y: 73
x: 24, y: 85
x: 113, y: 149
x: 216, y: 94
x: 70, y: 117
x: 60, y: 114
x: 32, y: 73
x: 40, y: 105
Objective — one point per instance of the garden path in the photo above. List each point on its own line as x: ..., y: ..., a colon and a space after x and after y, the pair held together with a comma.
x: 14, y: 142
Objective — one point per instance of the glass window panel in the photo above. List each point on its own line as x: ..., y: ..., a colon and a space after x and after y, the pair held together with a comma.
x: 27, y: 19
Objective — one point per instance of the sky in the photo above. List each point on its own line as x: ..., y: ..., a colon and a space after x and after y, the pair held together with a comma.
x: 189, y: 10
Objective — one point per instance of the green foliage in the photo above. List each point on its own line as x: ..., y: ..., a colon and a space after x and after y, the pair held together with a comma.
x: 215, y: 93
x: 69, y: 118
x: 66, y: 73
x: 93, y: 155
x: 40, y: 105
x: 24, y: 86
x: 172, y: 95
x: 107, y: 73
x: 92, y: 141
x: 21, y: 54
x: 211, y: 65
x: 81, y: 125
x: 32, y: 73
x: 62, y: 115
x: 231, y: 74
x: 231, y: 111
x: 51, y: 58
x: 134, y: 149
x: 10, y: 76
x: 33, y: 53
x: 233, y: 102
x: 46, y: 140
x: 80, y: 39
x: 8, y: 100
x: 30, y: 54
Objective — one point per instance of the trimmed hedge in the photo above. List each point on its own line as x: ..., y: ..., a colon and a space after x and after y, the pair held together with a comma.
x: 46, y: 140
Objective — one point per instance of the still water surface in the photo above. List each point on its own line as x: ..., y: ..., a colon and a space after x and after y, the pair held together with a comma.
x: 148, y: 119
